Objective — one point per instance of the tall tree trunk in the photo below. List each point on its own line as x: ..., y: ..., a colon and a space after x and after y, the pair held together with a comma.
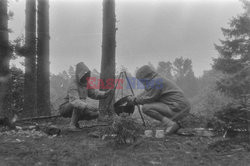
x: 108, y: 47
x: 43, y: 71
x: 4, y: 58
x: 30, y: 60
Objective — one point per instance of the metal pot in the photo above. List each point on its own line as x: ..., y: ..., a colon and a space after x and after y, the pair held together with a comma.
x: 122, y: 106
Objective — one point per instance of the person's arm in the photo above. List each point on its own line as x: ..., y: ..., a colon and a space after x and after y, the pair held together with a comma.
x: 97, y: 94
x: 148, y: 97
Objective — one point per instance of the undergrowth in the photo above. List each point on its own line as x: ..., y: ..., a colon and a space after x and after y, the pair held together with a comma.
x: 126, y: 130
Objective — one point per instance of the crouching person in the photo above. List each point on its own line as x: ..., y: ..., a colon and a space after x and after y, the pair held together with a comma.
x: 162, y: 99
x: 76, y: 105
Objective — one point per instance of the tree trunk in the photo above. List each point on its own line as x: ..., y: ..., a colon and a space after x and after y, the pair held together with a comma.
x: 43, y: 72
x: 4, y: 59
x: 30, y: 61
x: 108, y: 48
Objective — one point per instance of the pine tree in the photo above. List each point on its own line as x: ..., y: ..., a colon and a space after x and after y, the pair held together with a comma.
x: 165, y: 69
x: 30, y: 60
x: 108, y: 46
x: 43, y: 71
x: 4, y: 58
x: 234, y: 55
x: 185, y: 77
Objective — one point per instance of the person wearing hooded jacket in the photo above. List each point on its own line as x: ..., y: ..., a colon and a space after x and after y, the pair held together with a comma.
x: 162, y: 99
x: 75, y: 105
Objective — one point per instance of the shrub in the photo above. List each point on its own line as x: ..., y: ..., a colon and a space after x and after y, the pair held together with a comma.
x: 208, y: 102
x: 125, y: 128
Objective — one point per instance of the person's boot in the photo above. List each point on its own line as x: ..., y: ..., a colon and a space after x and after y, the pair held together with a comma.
x: 74, y: 126
x: 171, y: 126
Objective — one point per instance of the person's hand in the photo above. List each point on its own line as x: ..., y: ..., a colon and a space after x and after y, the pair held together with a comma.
x: 131, y: 100
x: 108, y: 92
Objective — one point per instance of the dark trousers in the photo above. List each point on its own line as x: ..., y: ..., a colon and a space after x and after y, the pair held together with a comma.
x: 66, y: 111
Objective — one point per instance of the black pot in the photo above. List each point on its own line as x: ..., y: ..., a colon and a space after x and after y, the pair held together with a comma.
x: 122, y: 106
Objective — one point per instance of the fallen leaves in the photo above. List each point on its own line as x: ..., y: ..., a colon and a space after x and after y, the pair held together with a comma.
x: 24, y: 133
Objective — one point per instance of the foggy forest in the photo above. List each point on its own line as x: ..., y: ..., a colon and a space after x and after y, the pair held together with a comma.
x: 53, y: 52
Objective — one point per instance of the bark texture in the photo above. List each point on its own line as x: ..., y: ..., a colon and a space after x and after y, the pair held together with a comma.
x: 4, y: 59
x: 108, y: 48
x: 43, y: 69
x: 30, y: 60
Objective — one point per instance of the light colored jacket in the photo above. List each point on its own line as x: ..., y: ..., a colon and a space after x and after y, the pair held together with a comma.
x: 161, y: 89
x: 78, y: 92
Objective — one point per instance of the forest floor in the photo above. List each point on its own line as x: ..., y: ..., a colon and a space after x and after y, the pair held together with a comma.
x: 79, y: 148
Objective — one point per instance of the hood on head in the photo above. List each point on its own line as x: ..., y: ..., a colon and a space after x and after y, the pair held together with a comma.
x: 81, y: 71
x: 145, y: 72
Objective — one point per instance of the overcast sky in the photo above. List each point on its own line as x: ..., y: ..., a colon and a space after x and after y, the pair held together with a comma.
x: 148, y: 31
